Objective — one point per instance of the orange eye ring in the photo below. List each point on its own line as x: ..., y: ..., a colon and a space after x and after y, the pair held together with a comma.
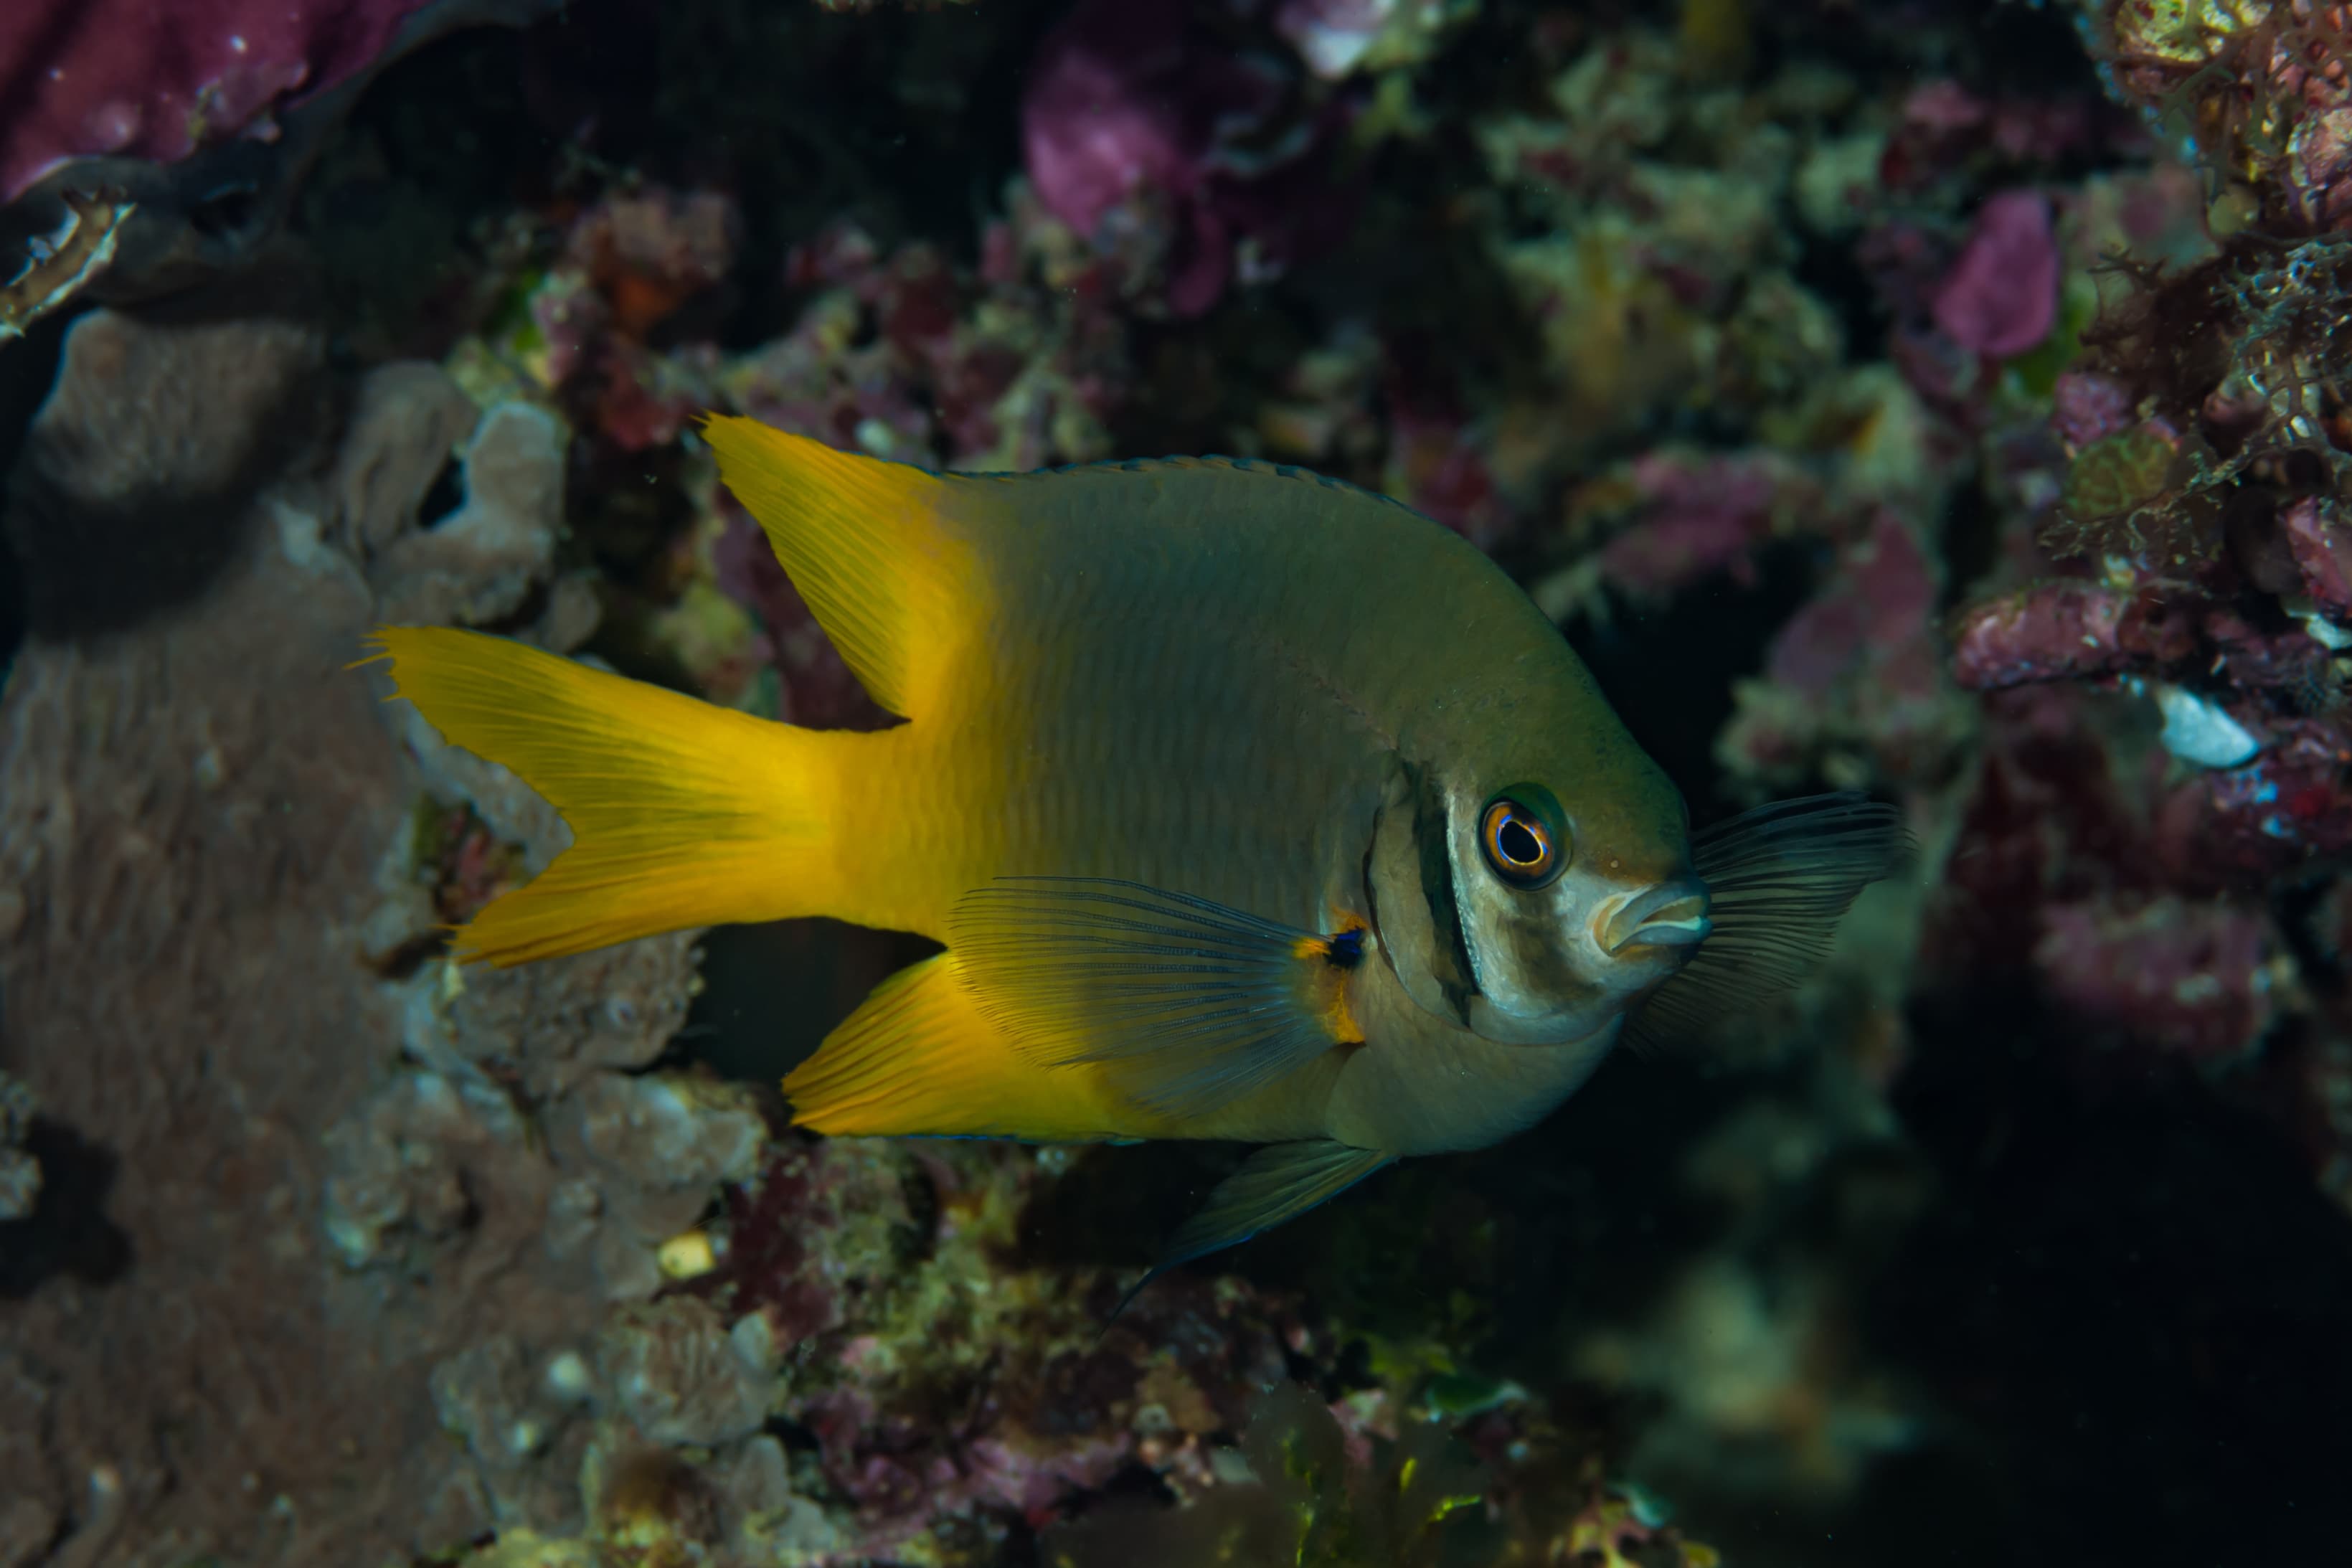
x: 1525, y: 844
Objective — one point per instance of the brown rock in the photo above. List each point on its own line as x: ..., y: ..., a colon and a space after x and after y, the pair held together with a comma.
x: 200, y: 813
x: 679, y: 1377
x: 133, y: 489
x: 476, y: 566
x: 406, y: 426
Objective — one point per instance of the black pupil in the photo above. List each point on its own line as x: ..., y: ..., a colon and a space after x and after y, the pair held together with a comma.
x: 1518, y: 843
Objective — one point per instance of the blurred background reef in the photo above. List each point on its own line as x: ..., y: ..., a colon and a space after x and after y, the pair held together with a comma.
x: 1949, y: 399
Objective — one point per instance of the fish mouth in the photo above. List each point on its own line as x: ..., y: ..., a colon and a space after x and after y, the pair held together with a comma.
x: 1669, y: 914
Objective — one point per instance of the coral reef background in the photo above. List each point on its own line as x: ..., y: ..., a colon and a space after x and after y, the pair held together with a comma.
x: 1946, y: 398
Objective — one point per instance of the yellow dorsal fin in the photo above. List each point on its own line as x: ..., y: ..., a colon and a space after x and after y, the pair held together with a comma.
x: 917, y: 1057
x: 865, y: 542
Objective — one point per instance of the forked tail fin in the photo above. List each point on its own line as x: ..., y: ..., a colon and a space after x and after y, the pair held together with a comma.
x: 682, y: 814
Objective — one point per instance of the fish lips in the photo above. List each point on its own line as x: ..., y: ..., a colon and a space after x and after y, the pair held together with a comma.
x: 1670, y: 914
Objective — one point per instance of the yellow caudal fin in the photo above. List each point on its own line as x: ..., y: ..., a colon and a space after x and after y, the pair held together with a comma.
x: 682, y: 814
x: 869, y: 546
x: 918, y: 1058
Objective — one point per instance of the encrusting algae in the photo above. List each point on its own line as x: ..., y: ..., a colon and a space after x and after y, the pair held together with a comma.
x: 1246, y: 804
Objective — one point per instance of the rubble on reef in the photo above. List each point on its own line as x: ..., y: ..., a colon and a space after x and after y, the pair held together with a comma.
x: 1304, y: 1487
x: 1158, y: 144
x: 1951, y: 401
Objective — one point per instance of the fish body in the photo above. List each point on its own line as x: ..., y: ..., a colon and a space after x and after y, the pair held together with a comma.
x: 1246, y: 804
x: 1217, y: 680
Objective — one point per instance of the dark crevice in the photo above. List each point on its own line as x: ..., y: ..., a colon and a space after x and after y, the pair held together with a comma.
x: 442, y: 497
x: 771, y: 993
x: 69, y: 1231
x: 412, y: 954
x: 12, y: 608
x: 28, y: 369
x: 2128, y: 1289
x: 1668, y: 672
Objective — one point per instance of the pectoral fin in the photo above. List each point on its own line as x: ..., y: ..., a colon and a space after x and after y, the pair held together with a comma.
x: 1280, y: 1182
x: 1183, y: 1006
x: 1778, y: 879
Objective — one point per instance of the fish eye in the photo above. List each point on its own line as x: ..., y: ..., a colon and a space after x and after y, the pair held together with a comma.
x: 1525, y: 836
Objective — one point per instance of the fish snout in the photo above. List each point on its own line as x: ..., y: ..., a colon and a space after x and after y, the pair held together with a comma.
x: 1665, y: 915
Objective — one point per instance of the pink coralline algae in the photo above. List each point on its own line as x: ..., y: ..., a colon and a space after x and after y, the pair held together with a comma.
x: 1943, y: 125
x: 2047, y: 821
x: 2067, y: 628
x: 2189, y: 977
x: 99, y: 77
x: 2320, y: 161
x: 2125, y: 885
x: 1701, y: 518
x: 2209, y: 830
x: 1878, y: 610
x: 1438, y: 466
x: 651, y: 248
x: 2124, y: 902
x: 1853, y: 685
x: 2001, y: 295
x: 631, y: 261
x: 2321, y: 543
x: 2050, y: 631
x: 1175, y: 153
x: 2289, y: 809
x: 1011, y: 365
x: 2087, y: 408
x: 1011, y: 369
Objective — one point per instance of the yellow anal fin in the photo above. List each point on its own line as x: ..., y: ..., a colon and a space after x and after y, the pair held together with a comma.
x: 1182, y: 1006
x: 917, y: 1057
x: 682, y: 814
x: 867, y: 543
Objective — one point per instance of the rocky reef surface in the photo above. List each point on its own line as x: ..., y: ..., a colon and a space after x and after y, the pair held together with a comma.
x: 1942, y: 398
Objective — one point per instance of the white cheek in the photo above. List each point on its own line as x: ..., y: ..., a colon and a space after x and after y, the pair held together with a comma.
x: 1488, y: 975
